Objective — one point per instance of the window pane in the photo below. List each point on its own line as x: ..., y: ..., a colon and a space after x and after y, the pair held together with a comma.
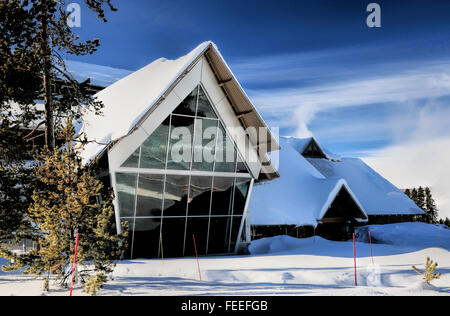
x: 219, y: 235
x: 175, y: 197
x: 146, y: 238
x: 199, y: 196
x: 235, y: 231
x: 241, y: 167
x: 173, y: 236
x: 133, y: 160
x: 130, y: 221
x: 154, y: 149
x: 150, y: 195
x: 225, y: 152
x: 188, y: 105
x: 180, y: 148
x: 204, y: 144
x: 240, y: 195
x: 197, y: 226
x: 126, y: 193
x: 204, y: 106
x: 222, y: 196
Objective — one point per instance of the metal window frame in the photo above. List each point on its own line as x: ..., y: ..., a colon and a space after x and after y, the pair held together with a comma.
x: 190, y: 173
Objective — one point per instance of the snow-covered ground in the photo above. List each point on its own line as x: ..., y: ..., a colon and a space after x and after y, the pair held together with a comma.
x: 286, y: 266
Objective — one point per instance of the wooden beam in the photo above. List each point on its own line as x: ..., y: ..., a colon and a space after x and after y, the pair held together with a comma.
x: 239, y: 115
x: 333, y: 220
x: 224, y: 82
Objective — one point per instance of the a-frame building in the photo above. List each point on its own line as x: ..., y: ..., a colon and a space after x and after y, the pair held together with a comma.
x: 181, y: 145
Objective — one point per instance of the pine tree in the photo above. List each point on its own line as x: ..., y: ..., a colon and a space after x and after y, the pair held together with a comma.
x: 447, y: 222
x: 68, y: 199
x: 428, y: 274
x: 430, y: 207
x: 15, y: 183
x: 408, y: 193
x: 414, y: 195
x: 33, y: 36
x: 420, y: 200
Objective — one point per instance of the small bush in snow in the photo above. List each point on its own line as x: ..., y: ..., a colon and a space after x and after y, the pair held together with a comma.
x: 94, y: 284
x: 428, y: 274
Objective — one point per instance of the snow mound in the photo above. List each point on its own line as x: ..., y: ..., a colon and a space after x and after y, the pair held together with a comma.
x: 290, y: 245
x: 416, y: 235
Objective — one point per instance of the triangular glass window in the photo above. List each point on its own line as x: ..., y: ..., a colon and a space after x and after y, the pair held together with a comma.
x: 209, y: 148
x: 204, y: 108
x: 188, y: 106
x: 133, y: 160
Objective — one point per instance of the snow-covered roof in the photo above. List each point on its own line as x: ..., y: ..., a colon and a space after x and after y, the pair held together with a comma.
x: 377, y: 195
x: 129, y: 100
x: 301, y: 196
x: 307, y: 187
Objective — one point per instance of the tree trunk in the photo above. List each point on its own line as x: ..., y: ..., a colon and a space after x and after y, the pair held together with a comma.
x: 47, y: 80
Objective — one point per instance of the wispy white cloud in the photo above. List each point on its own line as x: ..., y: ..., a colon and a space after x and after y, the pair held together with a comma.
x: 409, y: 85
x: 422, y: 158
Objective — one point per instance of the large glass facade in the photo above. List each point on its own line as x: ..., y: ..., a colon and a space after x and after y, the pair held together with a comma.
x: 186, y: 188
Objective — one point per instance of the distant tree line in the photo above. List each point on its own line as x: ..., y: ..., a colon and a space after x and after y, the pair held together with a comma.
x: 424, y: 199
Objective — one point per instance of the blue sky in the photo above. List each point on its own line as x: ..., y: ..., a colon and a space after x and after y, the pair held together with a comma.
x: 313, y: 68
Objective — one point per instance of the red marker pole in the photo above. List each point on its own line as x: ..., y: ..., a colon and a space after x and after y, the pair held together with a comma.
x: 196, y: 255
x: 354, y: 256
x: 74, y: 263
x: 371, y: 251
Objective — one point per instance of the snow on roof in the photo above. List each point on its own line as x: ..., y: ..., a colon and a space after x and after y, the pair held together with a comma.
x: 129, y: 99
x: 377, y: 195
x: 99, y: 75
x: 301, y: 195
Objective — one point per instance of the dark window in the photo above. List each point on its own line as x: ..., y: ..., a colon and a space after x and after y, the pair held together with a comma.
x: 150, y: 195
x: 313, y: 151
x: 199, y: 196
x: 146, y: 237
x: 222, y: 196
x: 176, y: 195
x: 173, y: 236
x: 197, y: 226
x: 219, y: 235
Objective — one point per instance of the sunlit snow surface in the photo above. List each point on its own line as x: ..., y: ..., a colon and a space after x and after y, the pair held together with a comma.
x: 285, y: 266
